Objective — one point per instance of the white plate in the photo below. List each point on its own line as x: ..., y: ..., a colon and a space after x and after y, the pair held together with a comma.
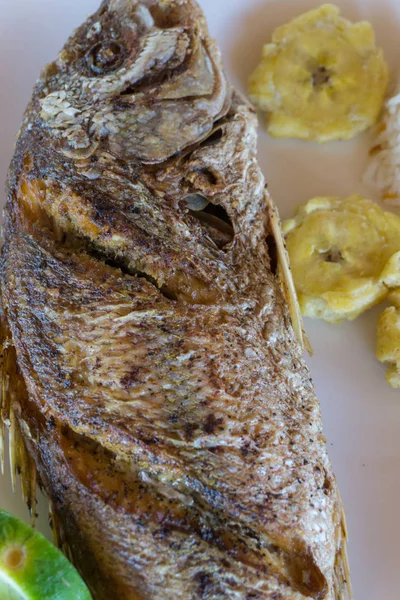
x: 361, y: 413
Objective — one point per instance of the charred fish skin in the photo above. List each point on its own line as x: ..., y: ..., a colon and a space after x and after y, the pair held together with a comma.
x: 167, y: 407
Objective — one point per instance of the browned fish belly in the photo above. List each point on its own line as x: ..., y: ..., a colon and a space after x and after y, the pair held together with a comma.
x: 152, y: 375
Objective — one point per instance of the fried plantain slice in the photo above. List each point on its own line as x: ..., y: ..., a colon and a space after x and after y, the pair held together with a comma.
x: 322, y: 77
x: 344, y: 254
x: 388, y: 339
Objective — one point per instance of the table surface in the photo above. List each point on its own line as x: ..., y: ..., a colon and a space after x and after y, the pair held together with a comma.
x: 361, y: 412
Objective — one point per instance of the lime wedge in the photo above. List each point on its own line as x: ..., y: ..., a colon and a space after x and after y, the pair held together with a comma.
x: 31, y: 568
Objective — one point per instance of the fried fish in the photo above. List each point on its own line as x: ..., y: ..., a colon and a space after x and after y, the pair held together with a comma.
x: 153, y: 379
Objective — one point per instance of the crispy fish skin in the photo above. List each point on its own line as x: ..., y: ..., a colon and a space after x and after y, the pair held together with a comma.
x: 169, y: 412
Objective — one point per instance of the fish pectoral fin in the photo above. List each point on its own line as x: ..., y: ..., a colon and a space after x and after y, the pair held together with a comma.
x: 285, y: 275
x: 13, y: 390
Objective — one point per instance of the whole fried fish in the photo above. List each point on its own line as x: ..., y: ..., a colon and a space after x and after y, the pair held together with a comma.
x: 153, y: 381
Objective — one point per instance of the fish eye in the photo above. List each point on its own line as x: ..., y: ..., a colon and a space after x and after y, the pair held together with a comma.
x: 104, y: 57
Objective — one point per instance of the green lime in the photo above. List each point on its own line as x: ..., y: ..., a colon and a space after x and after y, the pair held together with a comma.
x: 31, y: 568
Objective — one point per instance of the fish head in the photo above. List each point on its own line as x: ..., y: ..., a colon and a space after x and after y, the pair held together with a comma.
x: 141, y: 78
x: 138, y: 101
